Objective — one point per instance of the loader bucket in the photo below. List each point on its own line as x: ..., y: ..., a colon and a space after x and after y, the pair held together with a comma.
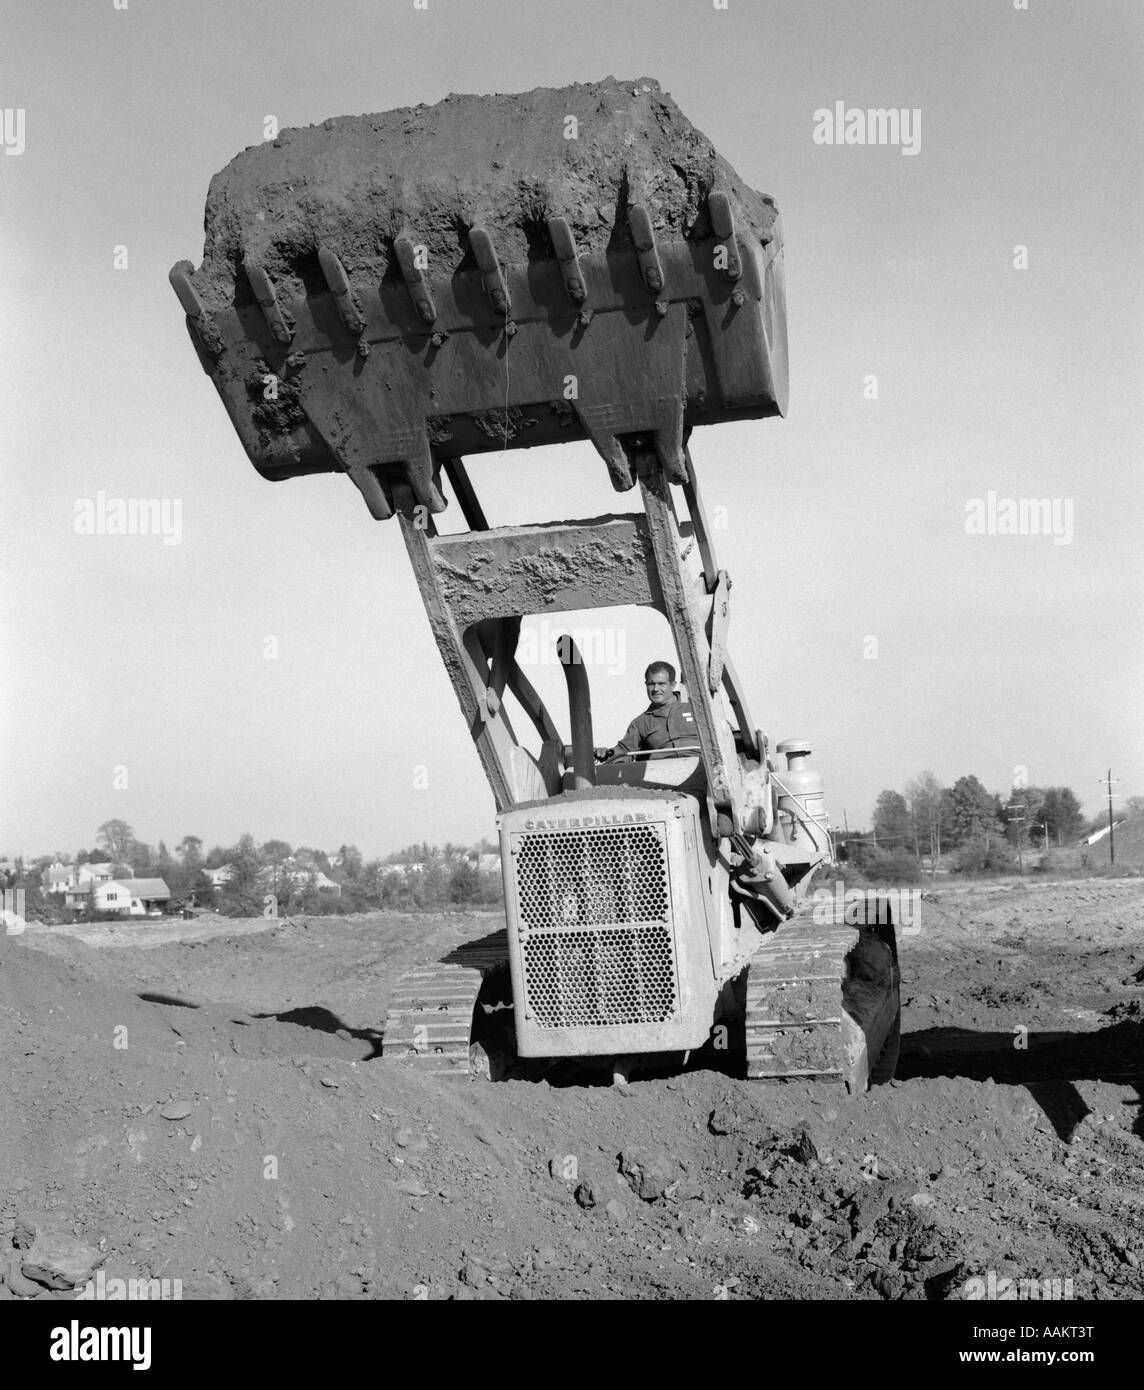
x: 381, y: 294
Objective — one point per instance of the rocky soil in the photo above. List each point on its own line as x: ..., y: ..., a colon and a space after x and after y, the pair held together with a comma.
x: 204, y: 1102
x: 503, y: 162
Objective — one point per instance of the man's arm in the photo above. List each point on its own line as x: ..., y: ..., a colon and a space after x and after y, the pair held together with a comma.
x: 631, y: 740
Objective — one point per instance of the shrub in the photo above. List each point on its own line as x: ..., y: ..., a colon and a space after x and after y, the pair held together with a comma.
x: 985, y: 855
x: 888, y: 866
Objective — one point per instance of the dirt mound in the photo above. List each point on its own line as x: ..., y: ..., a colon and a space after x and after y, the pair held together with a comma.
x: 212, y: 1111
x: 585, y: 152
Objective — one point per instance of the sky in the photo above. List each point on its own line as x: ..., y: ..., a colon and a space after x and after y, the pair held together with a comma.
x: 137, y: 681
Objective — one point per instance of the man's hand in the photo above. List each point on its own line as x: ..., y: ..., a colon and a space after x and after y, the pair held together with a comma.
x: 603, y: 754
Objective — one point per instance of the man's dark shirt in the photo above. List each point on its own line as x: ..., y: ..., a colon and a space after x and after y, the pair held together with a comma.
x: 665, y: 726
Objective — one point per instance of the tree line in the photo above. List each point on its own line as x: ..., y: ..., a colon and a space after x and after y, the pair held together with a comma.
x: 968, y: 827
x: 416, y: 877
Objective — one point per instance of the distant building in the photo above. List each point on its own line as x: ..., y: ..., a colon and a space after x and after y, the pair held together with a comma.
x: 132, y: 896
x: 64, y: 878
x: 146, y: 893
x: 221, y: 876
x: 1102, y: 832
x: 489, y: 863
x: 56, y: 878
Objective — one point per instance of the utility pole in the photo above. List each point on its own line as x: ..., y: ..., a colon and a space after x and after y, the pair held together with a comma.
x: 1019, y: 822
x: 1045, y: 831
x: 1109, y: 781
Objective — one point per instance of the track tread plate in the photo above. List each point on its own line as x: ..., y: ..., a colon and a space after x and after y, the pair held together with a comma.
x: 794, y: 1024
x: 429, y: 1020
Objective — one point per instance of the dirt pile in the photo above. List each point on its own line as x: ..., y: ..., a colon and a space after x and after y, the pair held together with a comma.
x: 504, y: 162
x: 211, y: 1111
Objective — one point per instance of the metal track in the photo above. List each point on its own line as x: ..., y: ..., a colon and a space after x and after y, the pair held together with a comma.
x: 429, y: 1022
x: 796, y: 1022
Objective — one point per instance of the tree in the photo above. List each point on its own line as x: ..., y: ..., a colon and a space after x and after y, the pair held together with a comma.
x: 116, y: 837
x: 1060, y: 811
x: 240, y: 895
x: 924, y: 795
x: 464, y: 882
x: 273, y: 856
x: 190, y: 851
x: 141, y: 857
x: 350, y: 862
x: 973, y: 810
x: 892, y: 821
x: 312, y: 858
x: 1019, y: 813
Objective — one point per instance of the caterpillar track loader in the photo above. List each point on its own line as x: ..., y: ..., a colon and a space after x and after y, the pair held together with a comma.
x: 655, y: 903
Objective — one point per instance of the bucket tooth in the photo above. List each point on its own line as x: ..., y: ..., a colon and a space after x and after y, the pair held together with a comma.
x: 722, y: 218
x: 267, y: 297
x: 644, y: 239
x: 339, y: 286
x: 564, y: 244
x: 608, y: 446
x: 723, y: 225
x: 406, y: 254
x: 180, y: 278
x: 417, y: 467
x: 369, y: 485
x: 486, y: 257
x: 669, y: 451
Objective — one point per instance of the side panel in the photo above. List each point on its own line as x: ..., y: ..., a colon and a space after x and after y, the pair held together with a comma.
x: 608, y: 937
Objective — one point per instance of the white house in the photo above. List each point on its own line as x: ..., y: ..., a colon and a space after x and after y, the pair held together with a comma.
x: 132, y: 896
x: 63, y: 878
x: 56, y: 877
x: 220, y: 876
x: 108, y: 896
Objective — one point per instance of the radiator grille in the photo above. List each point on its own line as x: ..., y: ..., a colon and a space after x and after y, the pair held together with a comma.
x: 595, y: 912
x: 598, y: 979
x: 580, y: 878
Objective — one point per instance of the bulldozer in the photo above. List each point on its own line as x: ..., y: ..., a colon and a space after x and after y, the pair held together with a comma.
x: 384, y: 296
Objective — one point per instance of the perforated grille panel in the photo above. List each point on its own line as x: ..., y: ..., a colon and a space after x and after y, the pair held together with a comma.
x: 595, y: 912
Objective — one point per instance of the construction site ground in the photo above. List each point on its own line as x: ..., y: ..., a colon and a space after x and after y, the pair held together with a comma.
x: 205, y: 1102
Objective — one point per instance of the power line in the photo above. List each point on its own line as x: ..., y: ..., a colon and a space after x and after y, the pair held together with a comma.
x: 1109, y: 782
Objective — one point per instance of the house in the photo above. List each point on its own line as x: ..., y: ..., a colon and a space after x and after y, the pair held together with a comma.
x: 221, y: 876
x: 105, y: 896
x: 56, y: 878
x: 132, y: 896
x: 64, y: 878
x: 145, y: 894
x: 488, y: 863
x: 1102, y: 832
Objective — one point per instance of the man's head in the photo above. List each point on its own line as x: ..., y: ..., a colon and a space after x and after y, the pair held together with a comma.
x: 660, y: 681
